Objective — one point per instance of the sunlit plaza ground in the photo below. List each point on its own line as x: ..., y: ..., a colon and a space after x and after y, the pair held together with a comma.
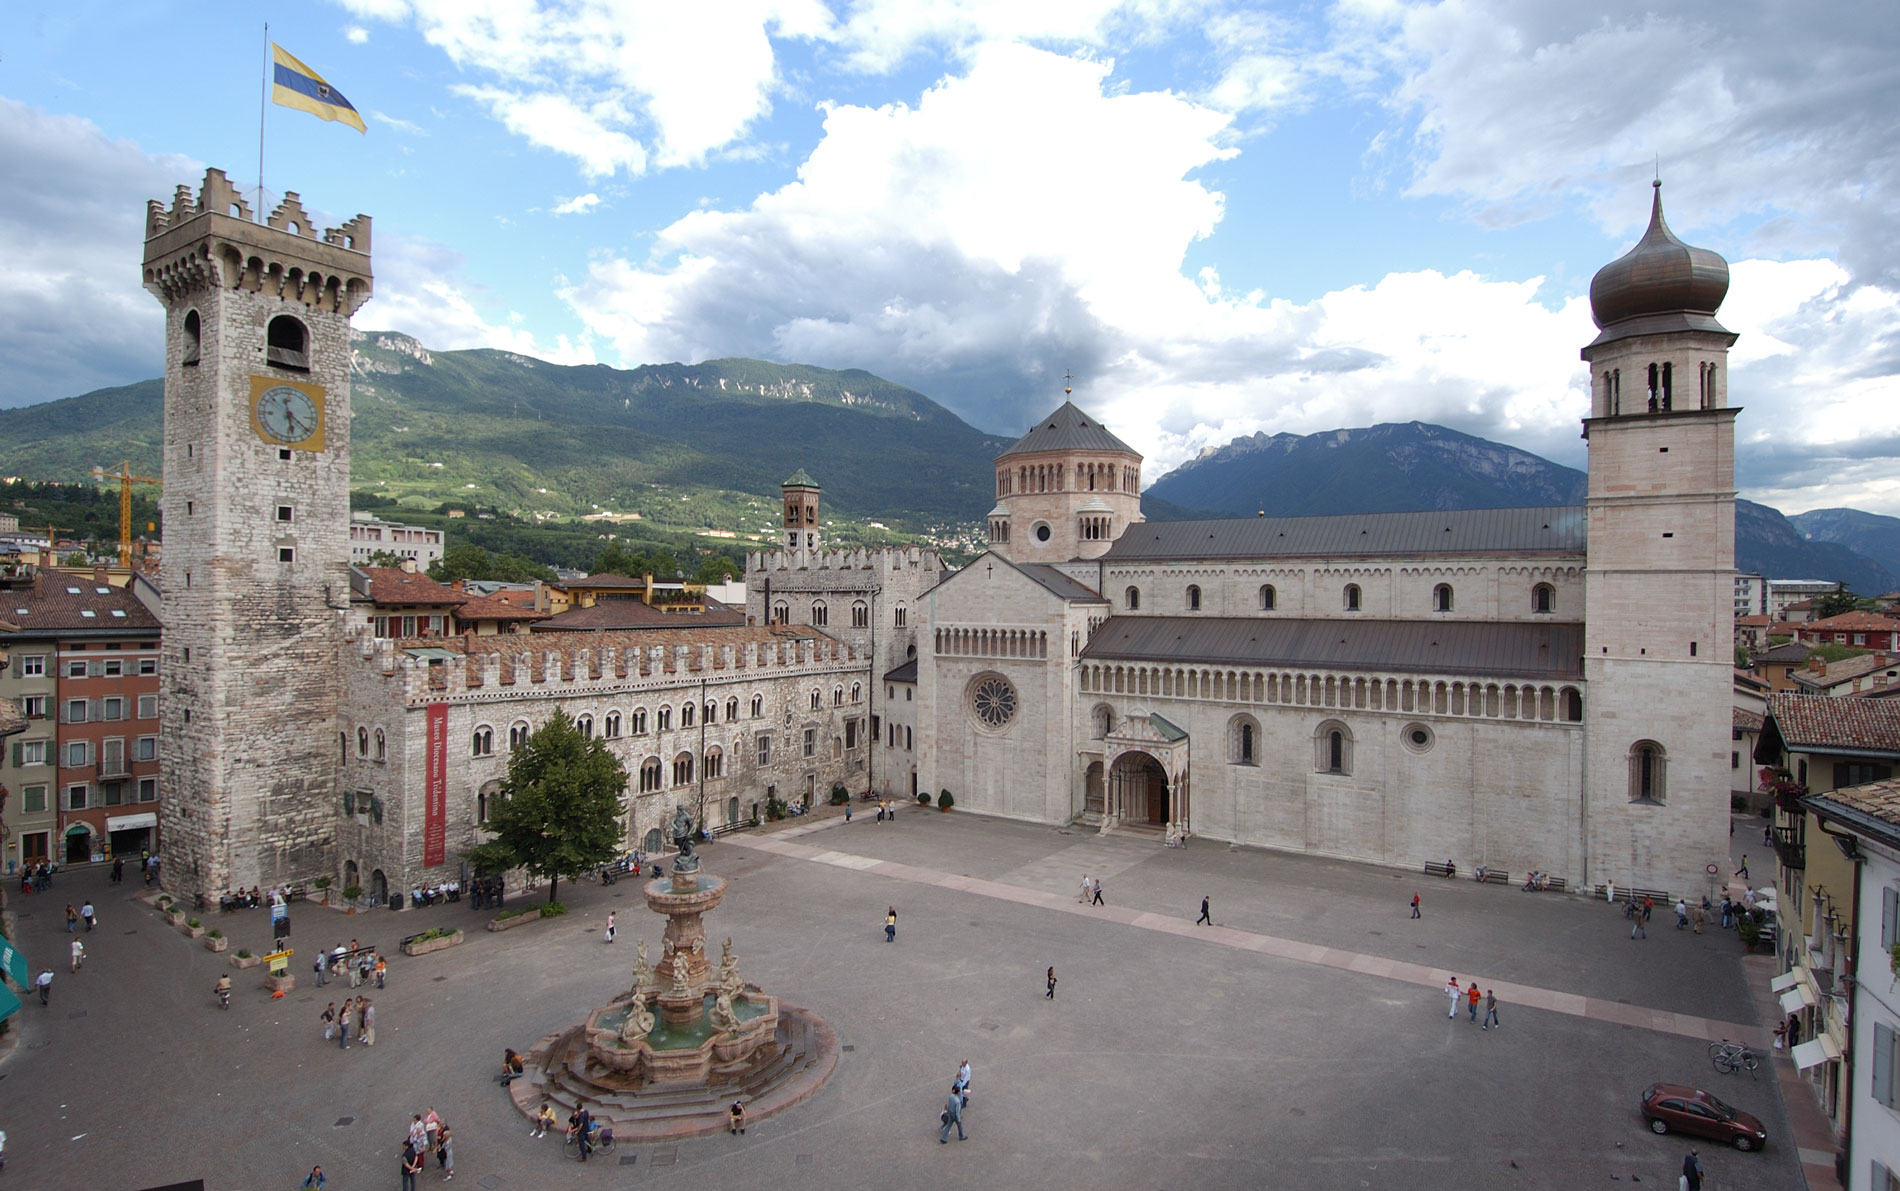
x: 1300, y: 1042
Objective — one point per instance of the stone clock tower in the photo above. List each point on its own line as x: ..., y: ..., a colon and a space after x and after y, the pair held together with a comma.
x: 256, y: 507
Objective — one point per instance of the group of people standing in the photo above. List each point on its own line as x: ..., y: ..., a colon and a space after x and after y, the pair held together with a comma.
x: 428, y: 1134
x: 357, y: 1017
x: 485, y: 893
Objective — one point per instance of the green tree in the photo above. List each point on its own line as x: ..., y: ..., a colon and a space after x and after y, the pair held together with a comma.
x: 560, y: 809
x: 385, y: 558
x: 464, y: 561
x: 1835, y: 602
x: 1834, y: 653
x: 716, y: 568
x: 1742, y: 660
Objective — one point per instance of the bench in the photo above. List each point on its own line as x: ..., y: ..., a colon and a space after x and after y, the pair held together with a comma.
x: 1659, y: 896
x: 1495, y: 876
x: 1553, y: 885
x: 1437, y: 868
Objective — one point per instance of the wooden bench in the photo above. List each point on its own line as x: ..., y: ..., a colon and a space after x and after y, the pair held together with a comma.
x: 1495, y: 876
x: 1553, y: 885
x: 1437, y: 868
x: 1659, y: 896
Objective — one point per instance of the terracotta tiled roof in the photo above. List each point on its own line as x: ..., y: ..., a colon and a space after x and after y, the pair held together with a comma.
x: 1754, y: 622
x: 1817, y: 722
x: 1748, y: 721
x: 66, y: 604
x: 393, y: 587
x: 1855, y: 622
x: 478, y: 608
x: 1848, y: 669
x: 1878, y: 802
x: 607, y: 579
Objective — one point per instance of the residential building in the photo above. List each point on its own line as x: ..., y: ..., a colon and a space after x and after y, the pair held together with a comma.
x: 1862, y: 674
x: 1751, y: 595
x: 1786, y: 596
x: 1856, y: 630
x: 371, y: 536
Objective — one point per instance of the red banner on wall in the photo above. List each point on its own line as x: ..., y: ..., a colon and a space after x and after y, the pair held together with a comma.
x: 435, y: 810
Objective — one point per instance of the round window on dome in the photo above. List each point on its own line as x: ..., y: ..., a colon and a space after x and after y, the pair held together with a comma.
x: 1042, y: 532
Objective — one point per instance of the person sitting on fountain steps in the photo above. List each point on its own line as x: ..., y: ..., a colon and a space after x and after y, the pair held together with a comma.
x: 737, y: 1123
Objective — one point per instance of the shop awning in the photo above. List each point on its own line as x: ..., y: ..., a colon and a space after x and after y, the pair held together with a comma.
x: 1785, y: 981
x: 1815, y: 1052
x: 131, y: 822
x: 1796, y: 999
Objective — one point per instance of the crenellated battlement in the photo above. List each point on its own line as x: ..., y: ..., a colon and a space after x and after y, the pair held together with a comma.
x: 594, y: 662
x: 211, y: 239
x: 862, y: 558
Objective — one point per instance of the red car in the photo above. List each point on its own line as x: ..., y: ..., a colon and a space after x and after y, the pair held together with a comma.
x: 1672, y: 1106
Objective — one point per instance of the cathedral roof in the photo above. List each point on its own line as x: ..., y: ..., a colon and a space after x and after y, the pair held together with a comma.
x: 1557, y: 529
x: 1060, y: 584
x: 1660, y: 285
x: 1528, y: 649
x: 1067, y: 429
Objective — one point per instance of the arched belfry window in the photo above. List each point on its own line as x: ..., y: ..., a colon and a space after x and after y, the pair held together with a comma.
x: 1268, y: 597
x: 1649, y: 773
x: 1193, y: 598
x: 1441, y: 598
x: 1352, y: 597
x: 286, y: 344
x: 1543, y: 598
x: 193, y: 340
x: 1133, y: 599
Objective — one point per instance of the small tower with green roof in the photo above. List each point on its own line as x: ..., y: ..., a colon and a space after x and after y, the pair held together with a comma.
x: 801, y: 513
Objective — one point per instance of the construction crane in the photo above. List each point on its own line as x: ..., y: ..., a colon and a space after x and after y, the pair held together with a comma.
x: 126, y: 480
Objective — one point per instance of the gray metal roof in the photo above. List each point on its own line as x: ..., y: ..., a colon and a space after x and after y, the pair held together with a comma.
x: 1067, y: 429
x: 1557, y: 530
x: 904, y: 673
x: 1539, y: 649
x: 1059, y: 584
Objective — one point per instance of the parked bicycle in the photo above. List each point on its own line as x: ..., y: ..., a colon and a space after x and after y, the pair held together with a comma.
x: 601, y: 1141
x: 1727, y: 1056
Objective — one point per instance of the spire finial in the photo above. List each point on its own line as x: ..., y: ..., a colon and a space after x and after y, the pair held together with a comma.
x: 1068, y: 382
x: 1658, y: 176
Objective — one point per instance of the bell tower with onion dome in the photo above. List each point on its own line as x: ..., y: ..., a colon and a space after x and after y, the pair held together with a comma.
x: 1659, y: 578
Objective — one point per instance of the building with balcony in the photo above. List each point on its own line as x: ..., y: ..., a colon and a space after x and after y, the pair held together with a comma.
x: 370, y: 537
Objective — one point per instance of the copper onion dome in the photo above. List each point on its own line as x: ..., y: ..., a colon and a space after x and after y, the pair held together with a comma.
x: 1666, y: 284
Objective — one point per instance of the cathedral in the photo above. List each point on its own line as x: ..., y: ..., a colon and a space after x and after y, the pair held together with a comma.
x: 1526, y: 689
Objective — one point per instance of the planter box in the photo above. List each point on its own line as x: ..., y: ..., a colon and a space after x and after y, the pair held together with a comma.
x: 517, y: 920
x: 425, y: 946
x: 175, y: 917
x: 217, y: 944
x: 246, y: 961
x: 192, y: 932
x: 279, y: 984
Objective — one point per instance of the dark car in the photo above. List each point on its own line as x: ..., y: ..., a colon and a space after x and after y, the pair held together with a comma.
x: 1672, y: 1106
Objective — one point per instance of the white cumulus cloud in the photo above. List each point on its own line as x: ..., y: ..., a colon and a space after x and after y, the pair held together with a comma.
x: 580, y: 204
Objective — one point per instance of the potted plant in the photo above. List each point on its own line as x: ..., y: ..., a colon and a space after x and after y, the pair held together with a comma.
x: 194, y: 928
x: 242, y: 958
x: 1749, y: 929
x: 323, y: 885
x: 215, y: 940
x: 350, y: 894
x: 923, y: 798
x: 945, y: 801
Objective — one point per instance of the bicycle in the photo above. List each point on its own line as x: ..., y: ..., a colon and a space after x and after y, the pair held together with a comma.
x: 1727, y: 1056
x: 603, y: 1143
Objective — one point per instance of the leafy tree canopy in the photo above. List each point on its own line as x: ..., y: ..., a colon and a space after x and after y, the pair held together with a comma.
x: 615, y: 558
x: 472, y: 562
x: 1834, y: 653
x: 716, y: 568
x: 561, y: 811
x: 1835, y: 602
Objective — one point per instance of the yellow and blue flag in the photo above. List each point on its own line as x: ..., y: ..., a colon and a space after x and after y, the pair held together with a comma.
x: 295, y: 85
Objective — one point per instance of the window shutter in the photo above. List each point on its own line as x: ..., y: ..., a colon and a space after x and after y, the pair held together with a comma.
x: 1889, y: 911
x: 1884, y: 1039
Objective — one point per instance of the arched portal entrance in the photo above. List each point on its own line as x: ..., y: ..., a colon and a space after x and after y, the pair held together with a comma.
x: 378, y: 887
x: 1138, y: 789
x: 78, y: 843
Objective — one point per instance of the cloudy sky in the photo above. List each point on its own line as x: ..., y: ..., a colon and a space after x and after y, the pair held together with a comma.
x: 1221, y: 217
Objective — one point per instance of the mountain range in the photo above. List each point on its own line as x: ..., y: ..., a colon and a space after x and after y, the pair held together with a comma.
x: 703, y: 446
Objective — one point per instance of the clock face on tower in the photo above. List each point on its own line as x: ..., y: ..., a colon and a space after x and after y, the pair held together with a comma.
x: 287, y: 414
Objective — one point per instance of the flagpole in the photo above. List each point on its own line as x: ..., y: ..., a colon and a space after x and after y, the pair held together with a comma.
x: 263, y: 105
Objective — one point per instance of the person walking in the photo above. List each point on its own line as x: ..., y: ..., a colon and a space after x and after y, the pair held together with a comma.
x: 79, y: 954
x: 847, y: 814
x: 890, y: 925
x: 86, y: 912
x: 1083, y: 897
x: 411, y: 1166
x: 1474, y: 996
x: 329, y: 1021
x: 1682, y: 914
x: 610, y: 926
x: 952, y: 1115
x: 369, y: 1023
x: 382, y: 969
x: 314, y: 1181
x: 72, y: 918
x: 1637, y: 930
x: 1415, y: 912
x: 1097, y: 900
x: 322, y: 977
x: 1742, y: 872
x: 1456, y: 993
x: 1051, y: 994
x: 118, y: 869
x: 1204, y: 916
x: 1699, y: 914
x: 44, y: 982
x: 1490, y: 1009
x: 963, y: 1080
x: 1692, y: 1170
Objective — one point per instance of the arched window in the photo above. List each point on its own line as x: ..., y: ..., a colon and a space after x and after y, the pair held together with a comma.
x: 860, y: 615
x: 610, y: 727
x: 683, y: 769
x: 649, y: 775
x: 586, y: 725
x: 900, y: 616
x: 857, y: 691
x: 715, y: 762
x: 517, y: 734
x: 1441, y: 598
x: 1352, y: 597
x: 758, y: 706
x: 732, y: 708
x: 1573, y: 705
x: 1193, y: 598
x: 381, y: 748
x: 637, y: 721
x: 819, y: 616
x: 837, y: 695
x: 362, y: 742
x: 286, y: 344
x: 817, y: 700
x: 1268, y: 597
x: 663, y: 720
x: 1332, y: 748
x: 189, y: 358
x: 1133, y: 599
x: 1543, y: 598
x: 1243, y: 741
x: 1649, y: 773
x: 781, y: 614
x: 712, y: 711
x: 1101, y: 721
x: 483, y: 742
x: 686, y: 715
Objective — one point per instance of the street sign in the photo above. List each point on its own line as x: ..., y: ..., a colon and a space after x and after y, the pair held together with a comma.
x: 279, y: 962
